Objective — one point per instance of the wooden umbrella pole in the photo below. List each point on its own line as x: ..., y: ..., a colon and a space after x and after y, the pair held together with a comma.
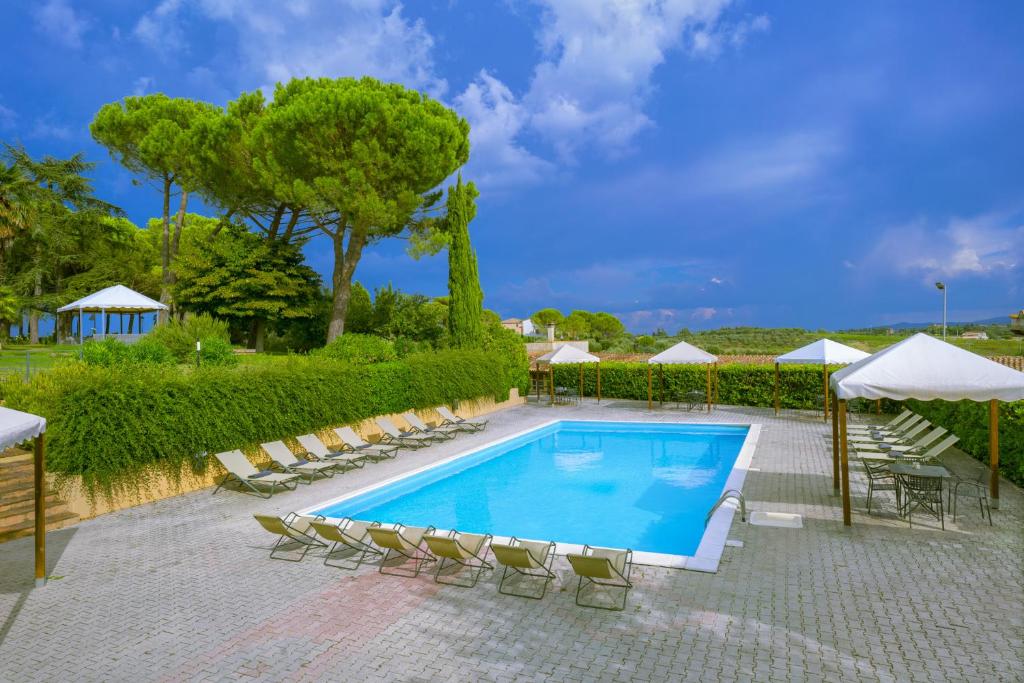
x: 717, y: 384
x: 824, y: 374
x: 776, y: 388
x: 661, y: 376
x: 40, y: 511
x: 708, y: 388
x: 598, y: 382
x: 993, y: 451
x: 835, y: 452
x: 878, y: 406
x: 845, y: 463
x: 551, y: 381
x: 581, y: 381
x: 650, y: 398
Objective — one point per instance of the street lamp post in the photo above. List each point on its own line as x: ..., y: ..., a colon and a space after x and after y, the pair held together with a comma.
x: 942, y: 286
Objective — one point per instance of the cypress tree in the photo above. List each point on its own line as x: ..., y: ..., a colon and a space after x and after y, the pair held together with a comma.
x: 466, y: 299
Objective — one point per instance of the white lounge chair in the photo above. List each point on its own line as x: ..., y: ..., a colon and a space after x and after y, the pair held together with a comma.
x: 904, y: 437
x: 315, y: 447
x: 240, y: 470
x: 444, y: 432
x: 889, y: 425
x: 903, y: 446
x: 282, y: 455
x: 395, y: 436
x: 369, y: 451
x: 450, y: 418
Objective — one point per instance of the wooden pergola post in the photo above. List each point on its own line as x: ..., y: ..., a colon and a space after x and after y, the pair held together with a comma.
x: 40, y: 511
x: 824, y: 373
x: 835, y: 452
x: 993, y: 451
x: 661, y: 375
x: 581, y: 382
x: 709, y: 387
x: 536, y: 379
x: 716, y: 383
x: 844, y: 462
x: 599, y: 381
x: 650, y: 397
x: 551, y: 381
x: 777, y: 389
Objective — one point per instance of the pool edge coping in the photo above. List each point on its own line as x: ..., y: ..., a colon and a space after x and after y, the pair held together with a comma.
x: 712, y: 544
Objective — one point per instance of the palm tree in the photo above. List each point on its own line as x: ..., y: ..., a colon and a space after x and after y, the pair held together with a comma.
x: 16, y: 192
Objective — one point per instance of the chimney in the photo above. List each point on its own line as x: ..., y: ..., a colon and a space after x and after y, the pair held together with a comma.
x: 551, y: 332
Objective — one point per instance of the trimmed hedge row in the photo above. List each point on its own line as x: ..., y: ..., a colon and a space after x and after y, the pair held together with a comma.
x: 800, y: 386
x: 969, y: 421
x: 113, y: 426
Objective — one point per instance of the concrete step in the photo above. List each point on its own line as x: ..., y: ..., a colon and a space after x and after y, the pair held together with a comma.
x: 26, y: 511
x: 11, y: 485
x: 27, y: 528
x: 12, y: 500
x: 15, y: 457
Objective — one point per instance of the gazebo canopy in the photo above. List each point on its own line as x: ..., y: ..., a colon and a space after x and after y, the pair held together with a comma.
x: 116, y: 299
x: 16, y: 427
x: 568, y: 354
x: 682, y: 353
x: 927, y: 368
x: 823, y: 352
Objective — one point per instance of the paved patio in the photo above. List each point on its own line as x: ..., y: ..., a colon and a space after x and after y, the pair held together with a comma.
x: 182, y: 589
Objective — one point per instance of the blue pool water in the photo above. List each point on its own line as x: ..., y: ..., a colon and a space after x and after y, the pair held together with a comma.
x: 620, y: 484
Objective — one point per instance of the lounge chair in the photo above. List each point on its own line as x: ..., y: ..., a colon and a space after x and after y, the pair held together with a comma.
x: 897, y: 446
x: 467, y: 550
x: 369, y: 451
x: 402, y: 541
x: 443, y: 432
x: 315, y: 447
x: 241, y: 470
x: 905, y: 436
x: 891, y: 424
x: 450, y: 418
x: 531, y: 559
x: 291, y: 531
x: 898, y: 430
x: 282, y: 455
x: 393, y: 435
x: 604, y: 568
x: 921, y: 456
x: 345, y: 536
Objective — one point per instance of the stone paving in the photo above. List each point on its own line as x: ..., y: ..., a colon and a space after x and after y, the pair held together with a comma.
x: 182, y: 589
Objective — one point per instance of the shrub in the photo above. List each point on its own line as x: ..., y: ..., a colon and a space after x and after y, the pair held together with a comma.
x: 180, y: 336
x: 217, y: 351
x: 358, y: 349
x: 509, y: 347
x: 113, y: 426
x: 110, y: 352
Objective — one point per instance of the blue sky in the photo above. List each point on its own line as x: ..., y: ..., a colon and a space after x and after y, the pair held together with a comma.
x: 696, y: 163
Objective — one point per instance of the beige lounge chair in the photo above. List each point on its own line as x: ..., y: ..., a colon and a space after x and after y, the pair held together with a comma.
x: 445, y: 433
x: 607, y: 568
x: 369, y: 451
x: 902, y: 447
x: 450, y: 418
x: 531, y: 559
x: 315, y: 447
x: 348, y: 536
x: 402, y: 541
x: 891, y: 424
x: 905, y: 436
x: 395, y: 436
x: 283, y: 456
x: 467, y: 550
x: 898, y: 430
x: 240, y: 470
x: 292, y: 531
x: 931, y: 453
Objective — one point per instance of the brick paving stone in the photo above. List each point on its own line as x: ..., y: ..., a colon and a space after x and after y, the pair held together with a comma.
x: 182, y: 590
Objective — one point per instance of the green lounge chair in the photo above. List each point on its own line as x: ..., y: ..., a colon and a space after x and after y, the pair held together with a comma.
x: 606, y: 568
x: 368, y: 451
x: 466, y: 550
x: 283, y: 456
x: 531, y: 559
x: 347, y: 536
x: 451, y: 419
x: 293, y: 532
x: 240, y: 470
x: 402, y: 541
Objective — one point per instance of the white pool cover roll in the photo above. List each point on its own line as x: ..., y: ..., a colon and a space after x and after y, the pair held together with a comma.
x: 927, y: 368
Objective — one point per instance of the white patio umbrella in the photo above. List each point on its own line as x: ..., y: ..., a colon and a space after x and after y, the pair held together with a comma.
x: 17, y: 427
x: 823, y: 352
x: 568, y: 354
x: 682, y: 353
x: 924, y: 368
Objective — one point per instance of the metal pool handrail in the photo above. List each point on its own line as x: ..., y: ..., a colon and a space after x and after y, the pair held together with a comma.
x: 731, y: 493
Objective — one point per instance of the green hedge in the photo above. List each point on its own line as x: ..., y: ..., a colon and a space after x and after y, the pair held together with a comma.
x: 114, y: 426
x: 800, y: 386
x: 969, y: 421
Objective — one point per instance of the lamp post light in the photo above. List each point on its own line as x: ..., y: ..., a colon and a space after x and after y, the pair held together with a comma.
x: 198, y: 349
x: 942, y: 286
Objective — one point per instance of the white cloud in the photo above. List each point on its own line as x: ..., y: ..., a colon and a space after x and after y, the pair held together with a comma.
x: 59, y: 21
x: 7, y: 117
x: 46, y: 128
x: 142, y: 85
x: 709, y: 41
x: 986, y: 245
x: 161, y: 30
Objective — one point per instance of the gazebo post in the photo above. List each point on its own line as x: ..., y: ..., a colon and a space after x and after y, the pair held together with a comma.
x: 650, y: 399
x: 709, y: 387
x: 40, y: 511
x: 776, y: 389
x: 993, y: 451
x: 824, y: 373
x: 845, y: 462
x: 598, y: 381
x: 878, y: 406
x: 835, y: 452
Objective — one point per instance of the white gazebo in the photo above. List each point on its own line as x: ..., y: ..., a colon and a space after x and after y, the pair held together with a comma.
x: 683, y: 353
x: 823, y: 352
x: 568, y: 354
x: 117, y: 299
x: 924, y: 368
x: 17, y: 427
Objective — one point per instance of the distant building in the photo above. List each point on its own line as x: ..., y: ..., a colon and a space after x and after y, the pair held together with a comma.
x: 974, y: 335
x: 525, y: 327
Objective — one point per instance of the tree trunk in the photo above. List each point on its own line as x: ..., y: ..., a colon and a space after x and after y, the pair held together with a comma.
x: 259, y: 333
x: 345, y: 261
x: 275, y: 223
x: 179, y: 223
x: 290, y: 228
x: 165, y: 250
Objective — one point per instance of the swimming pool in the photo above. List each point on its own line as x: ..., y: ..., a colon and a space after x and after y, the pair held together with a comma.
x: 640, y: 485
